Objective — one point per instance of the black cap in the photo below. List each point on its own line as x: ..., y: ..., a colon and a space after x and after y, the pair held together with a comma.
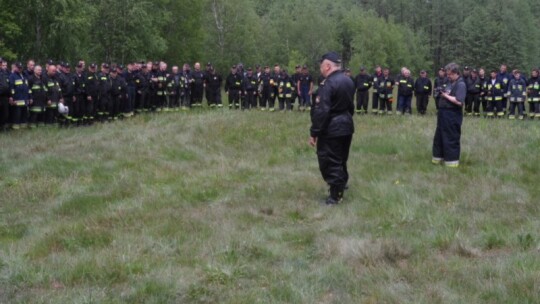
x: 257, y: 66
x: 66, y: 64
x: 362, y: 68
x: 93, y: 65
x: 332, y: 56
x: 297, y: 66
x: 304, y: 67
x: 18, y: 64
x: 466, y: 68
x: 144, y: 66
x: 423, y: 72
x: 120, y: 66
x: 50, y: 62
x: 156, y: 63
x: 209, y: 63
x: 234, y: 66
x: 105, y: 65
x: 266, y: 67
x: 441, y: 69
x: 474, y: 70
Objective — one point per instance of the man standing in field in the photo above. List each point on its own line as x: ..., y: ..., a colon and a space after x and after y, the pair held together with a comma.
x: 332, y: 125
x: 447, y: 140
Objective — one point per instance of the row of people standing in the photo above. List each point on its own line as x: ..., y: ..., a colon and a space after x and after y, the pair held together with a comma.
x: 496, y: 95
x: 38, y: 95
x: 260, y: 88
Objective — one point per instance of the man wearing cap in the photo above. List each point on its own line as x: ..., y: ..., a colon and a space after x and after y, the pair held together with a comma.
x: 197, y: 88
x: 20, y: 96
x: 422, y: 90
x: 91, y: 82
x: 233, y: 85
x: 362, y: 83
x: 129, y: 75
x: 332, y: 125
x: 173, y: 88
x: 249, y: 90
x: 105, y: 86
x: 4, y: 95
x: 305, y: 88
x: 119, y: 94
x: 294, y: 79
x: 447, y: 139
x: 274, y: 82
x: 67, y: 84
x: 266, y: 89
x: 473, y: 92
x: 213, y: 88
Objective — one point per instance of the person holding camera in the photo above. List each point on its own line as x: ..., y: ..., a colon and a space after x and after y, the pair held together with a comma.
x: 447, y: 140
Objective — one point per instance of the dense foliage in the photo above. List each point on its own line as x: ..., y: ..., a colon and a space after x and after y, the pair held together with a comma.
x: 414, y: 33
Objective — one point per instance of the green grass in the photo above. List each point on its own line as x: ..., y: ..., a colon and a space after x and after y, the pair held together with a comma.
x: 224, y: 207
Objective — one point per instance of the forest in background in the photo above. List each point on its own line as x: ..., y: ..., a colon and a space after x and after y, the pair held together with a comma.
x: 420, y: 34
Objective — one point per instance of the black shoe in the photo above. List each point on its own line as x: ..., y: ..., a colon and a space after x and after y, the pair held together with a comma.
x: 332, y: 201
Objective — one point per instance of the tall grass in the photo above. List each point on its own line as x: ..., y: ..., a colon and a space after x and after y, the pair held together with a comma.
x: 224, y: 207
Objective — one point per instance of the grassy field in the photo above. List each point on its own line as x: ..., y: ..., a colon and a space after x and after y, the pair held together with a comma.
x: 225, y: 207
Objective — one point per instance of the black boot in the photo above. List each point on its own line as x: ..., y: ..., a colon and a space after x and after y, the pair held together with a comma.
x: 336, y: 195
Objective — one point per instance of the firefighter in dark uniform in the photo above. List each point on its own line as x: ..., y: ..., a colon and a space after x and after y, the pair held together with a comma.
x: 54, y: 95
x: 233, y: 84
x: 274, y: 82
x: 440, y: 84
x: 173, y: 89
x: 504, y: 77
x: 29, y: 71
x: 129, y: 75
x: 197, y: 88
x: 516, y: 93
x: 482, y: 96
x: 447, y: 139
x: 79, y: 93
x: 285, y: 91
x: 249, y: 90
x: 294, y: 79
x: 213, y: 88
x: 142, y: 83
x: 159, y: 81
x: 4, y: 95
x: 105, y: 86
x: 385, y: 88
x: 20, y: 96
x: 207, y: 92
x: 67, y: 84
x: 473, y: 92
x: 422, y: 90
x: 187, y: 82
x: 362, y: 83
x: 494, y: 95
x: 533, y: 94
x: 92, y: 94
x: 119, y: 95
x: 374, y: 84
x: 305, y: 89
x: 266, y: 89
x: 405, y: 85
x: 38, y: 97
x: 332, y: 126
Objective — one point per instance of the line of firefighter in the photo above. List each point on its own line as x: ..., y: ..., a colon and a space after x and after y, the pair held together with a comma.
x: 34, y: 95
x: 492, y: 93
